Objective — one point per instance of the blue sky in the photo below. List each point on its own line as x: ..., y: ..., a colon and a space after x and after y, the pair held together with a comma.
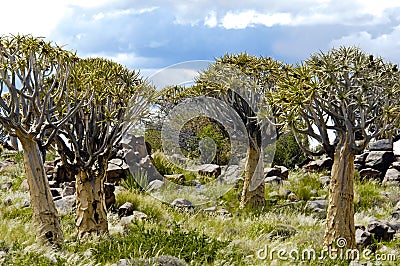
x: 154, y: 34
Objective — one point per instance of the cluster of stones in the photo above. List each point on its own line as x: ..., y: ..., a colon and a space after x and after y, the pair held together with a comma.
x: 379, y: 162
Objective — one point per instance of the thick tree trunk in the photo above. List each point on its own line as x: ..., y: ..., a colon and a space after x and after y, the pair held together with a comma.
x: 253, y: 185
x: 340, y: 218
x: 45, y: 215
x: 91, y: 215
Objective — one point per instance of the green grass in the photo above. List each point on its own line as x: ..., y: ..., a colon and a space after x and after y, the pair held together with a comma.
x: 195, y: 237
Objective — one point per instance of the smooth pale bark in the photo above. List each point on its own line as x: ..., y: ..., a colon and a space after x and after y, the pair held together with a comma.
x: 91, y: 215
x: 45, y: 216
x: 252, y: 193
x: 340, y: 217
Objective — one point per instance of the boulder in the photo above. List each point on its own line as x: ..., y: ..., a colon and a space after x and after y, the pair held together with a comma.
x: 182, y: 203
x: 319, y: 165
x: 136, y: 215
x: 279, y: 171
x: 381, y: 145
x: 117, y: 169
x: 56, y: 192
x: 6, y: 185
x: 68, y: 191
x: 360, y: 159
x: 274, y: 171
x: 363, y: 238
x: 209, y: 170
x: 273, y: 180
x: 380, y: 230
x: 126, y: 209
x: 392, y: 175
x: 312, y: 205
x: 65, y: 205
x: 325, y: 180
x: 379, y: 160
x: 369, y: 173
x: 396, y: 165
x: 24, y: 187
x: 154, y: 185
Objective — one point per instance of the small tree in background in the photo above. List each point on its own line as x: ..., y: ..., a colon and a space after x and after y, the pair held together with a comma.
x: 35, y: 73
x: 355, y: 96
x: 120, y: 98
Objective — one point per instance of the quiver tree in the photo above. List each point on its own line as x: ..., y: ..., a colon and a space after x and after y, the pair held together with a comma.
x: 240, y: 81
x: 33, y: 75
x: 85, y: 144
x: 342, y: 99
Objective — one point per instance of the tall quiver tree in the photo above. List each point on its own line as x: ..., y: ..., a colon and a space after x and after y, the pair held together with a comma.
x: 343, y: 99
x: 119, y: 99
x: 33, y: 75
x: 240, y: 81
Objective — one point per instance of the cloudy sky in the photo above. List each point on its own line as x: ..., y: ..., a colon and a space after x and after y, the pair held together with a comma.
x: 154, y: 34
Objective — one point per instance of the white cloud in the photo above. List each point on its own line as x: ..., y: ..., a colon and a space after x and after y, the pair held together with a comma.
x: 250, y: 18
x: 123, y: 12
x: 211, y: 19
x: 129, y: 60
x: 38, y: 17
x: 386, y: 45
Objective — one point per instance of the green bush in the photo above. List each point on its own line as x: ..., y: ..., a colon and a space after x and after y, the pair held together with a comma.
x: 288, y: 153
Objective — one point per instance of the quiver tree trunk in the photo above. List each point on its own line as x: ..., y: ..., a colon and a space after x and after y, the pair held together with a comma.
x: 253, y: 190
x: 340, y: 217
x: 45, y: 216
x: 91, y: 215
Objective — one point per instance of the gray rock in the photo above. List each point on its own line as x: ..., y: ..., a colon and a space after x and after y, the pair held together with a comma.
x: 380, y: 230
x: 224, y: 212
x: 136, y: 215
x: 210, y: 209
x: 319, y: 165
x: 123, y: 262
x: 325, y: 180
x: 65, y: 205
x: 7, y: 202
x: 126, y: 209
x: 312, y: 205
x: 396, y: 165
x: 379, y: 160
x: 272, y: 180
x: 370, y: 173
x: 381, y: 145
x: 159, y: 261
x: 313, y: 193
x: 182, y: 203
x: 68, y: 191
x: 360, y: 159
x: 154, y: 185
x: 209, y: 170
x: 363, y: 238
x: 24, y: 187
x: 284, y: 172
x: 392, y: 175
x: 56, y: 192
x: 6, y: 185
x: 53, y: 183
x: 274, y: 171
